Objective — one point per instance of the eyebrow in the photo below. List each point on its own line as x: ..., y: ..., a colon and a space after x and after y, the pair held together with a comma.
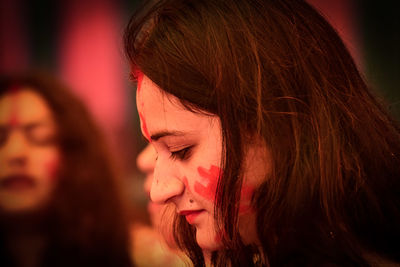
x: 162, y: 134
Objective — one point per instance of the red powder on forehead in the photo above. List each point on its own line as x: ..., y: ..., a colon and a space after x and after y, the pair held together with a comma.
x: 138, y: 74
x: 144, y: 126
x: 211, y: 179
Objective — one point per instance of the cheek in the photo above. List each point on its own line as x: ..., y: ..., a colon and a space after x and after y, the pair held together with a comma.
x: 48, y: 166
x: 51, y: 168
x: 208, y: 185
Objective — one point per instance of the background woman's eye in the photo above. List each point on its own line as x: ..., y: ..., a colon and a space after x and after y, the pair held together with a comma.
x: 182, y: 154
x: 41, y: 135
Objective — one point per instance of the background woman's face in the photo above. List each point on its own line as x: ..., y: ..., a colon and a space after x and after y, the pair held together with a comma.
x: 187, y: 169
x: 29, y: 155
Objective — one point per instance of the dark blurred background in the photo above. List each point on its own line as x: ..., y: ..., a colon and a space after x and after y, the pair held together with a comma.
x: 81, y: 43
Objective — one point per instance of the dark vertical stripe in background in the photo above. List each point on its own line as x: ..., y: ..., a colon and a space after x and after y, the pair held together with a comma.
x: 42, y: 28
x: 14, y: 43
x: 380, y: 30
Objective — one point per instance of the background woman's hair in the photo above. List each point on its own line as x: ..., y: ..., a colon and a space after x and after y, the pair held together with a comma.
x: 86, y: 224
x: 278, y: 70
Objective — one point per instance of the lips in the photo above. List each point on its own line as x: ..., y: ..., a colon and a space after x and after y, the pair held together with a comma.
x: 190, y: 215
x: 17, y: 182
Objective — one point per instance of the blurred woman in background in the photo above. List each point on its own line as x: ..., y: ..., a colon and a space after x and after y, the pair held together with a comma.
x: 60, y: 202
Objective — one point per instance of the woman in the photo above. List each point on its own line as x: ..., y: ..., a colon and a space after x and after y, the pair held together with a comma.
x: 59, y: 199
x: 269, y: 143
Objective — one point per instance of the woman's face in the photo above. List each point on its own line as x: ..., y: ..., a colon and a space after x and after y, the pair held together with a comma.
x: 29, y: 155
x: 187, y: 169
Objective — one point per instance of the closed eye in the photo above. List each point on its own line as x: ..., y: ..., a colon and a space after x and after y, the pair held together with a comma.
x: 182, y: 154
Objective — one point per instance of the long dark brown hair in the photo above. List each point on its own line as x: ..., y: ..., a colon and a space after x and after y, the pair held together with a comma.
x: 85, y: 223
x: 279, y: 71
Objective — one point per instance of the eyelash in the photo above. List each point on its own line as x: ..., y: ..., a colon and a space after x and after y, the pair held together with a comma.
x: 182, y: 154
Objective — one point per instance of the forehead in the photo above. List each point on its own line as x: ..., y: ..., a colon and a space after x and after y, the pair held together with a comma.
x: 24, y: 105
x: 162, y: 111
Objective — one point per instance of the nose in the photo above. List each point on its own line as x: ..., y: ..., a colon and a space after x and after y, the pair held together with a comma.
x: 166, y: 184
x: 14, y: 151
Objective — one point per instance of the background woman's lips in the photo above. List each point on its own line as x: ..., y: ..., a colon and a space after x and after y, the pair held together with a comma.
x: 17, y: 182
x: 190, y: 215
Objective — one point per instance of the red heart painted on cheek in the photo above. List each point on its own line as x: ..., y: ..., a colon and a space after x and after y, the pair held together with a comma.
x: 211, y: 177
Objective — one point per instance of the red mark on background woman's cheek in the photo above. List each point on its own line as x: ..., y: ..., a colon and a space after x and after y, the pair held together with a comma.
x: 211, y: 178
x: 144, y: 127
x: 52, y: 167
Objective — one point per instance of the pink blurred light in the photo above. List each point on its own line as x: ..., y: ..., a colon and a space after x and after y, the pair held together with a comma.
x: 344, y: 17
x: 91, y: 61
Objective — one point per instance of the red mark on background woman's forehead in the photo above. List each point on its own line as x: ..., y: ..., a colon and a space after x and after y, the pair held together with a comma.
x: 14, y: 122
x: 211, y: 178
x: 144, y: 127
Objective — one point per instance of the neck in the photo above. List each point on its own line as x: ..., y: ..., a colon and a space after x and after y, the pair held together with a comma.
x: 26, y: 249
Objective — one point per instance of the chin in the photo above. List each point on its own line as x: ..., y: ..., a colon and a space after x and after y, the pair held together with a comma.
x: 17, y: 206
x: 208, y: 241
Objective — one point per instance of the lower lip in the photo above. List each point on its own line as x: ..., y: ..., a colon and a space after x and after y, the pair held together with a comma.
x: 17, y: 184
x: 191, y: 217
